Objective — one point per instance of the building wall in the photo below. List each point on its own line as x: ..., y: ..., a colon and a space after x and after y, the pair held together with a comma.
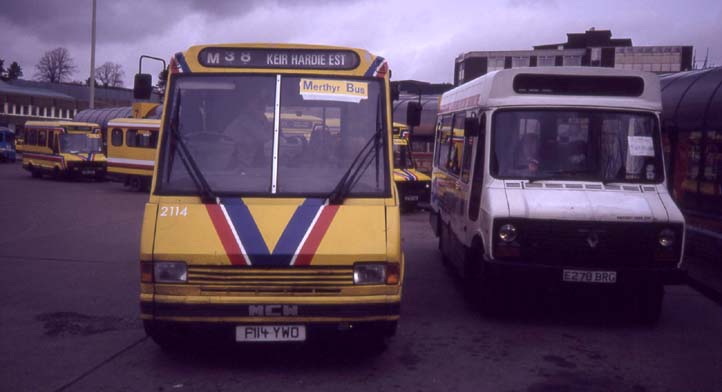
x: 15, y: 110
x: 593, y: 48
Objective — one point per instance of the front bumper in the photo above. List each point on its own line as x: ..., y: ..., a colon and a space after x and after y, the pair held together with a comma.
x: 414, y: 192
x: 88, y: 169
x: 270, y: 313
x: 161, y: 303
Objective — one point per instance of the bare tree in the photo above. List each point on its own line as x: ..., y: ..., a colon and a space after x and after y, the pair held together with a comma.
x: 110, y: 74
x: 55, y: 66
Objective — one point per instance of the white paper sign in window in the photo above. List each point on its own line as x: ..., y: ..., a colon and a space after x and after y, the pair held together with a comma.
x: 641, y: 146
x: 333, y: 90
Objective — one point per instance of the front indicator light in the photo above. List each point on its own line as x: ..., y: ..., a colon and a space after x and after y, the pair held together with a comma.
x: 666, y: 238
x: 393, y: 273
x: 369, y: 273
x: 170, y: 272
x: 146, y: 272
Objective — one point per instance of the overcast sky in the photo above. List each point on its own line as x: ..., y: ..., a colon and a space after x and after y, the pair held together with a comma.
x: 420, y: 38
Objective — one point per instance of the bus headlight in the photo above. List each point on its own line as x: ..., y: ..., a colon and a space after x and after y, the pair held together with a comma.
x: 666, y: 238
x: 508, y: 232
x: 170, y: 272
x: 376, y: 273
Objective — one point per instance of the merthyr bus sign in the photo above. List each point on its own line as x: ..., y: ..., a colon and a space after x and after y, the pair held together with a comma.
x: 278, y: 58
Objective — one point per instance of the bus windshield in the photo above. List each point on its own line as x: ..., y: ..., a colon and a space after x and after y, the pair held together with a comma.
x: 79, y: 143
x: 227, y: 124
x: 587, y: 145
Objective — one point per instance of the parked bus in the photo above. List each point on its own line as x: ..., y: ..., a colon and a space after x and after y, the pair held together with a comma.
x: 258, y: 236
x: 7, y: 145
x: 560, y: 181
x: 413, y: 186
x: 131, y: 149
x: 63, y: 148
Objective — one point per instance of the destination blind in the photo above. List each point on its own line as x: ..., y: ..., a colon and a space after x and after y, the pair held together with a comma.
x: 278, y: 58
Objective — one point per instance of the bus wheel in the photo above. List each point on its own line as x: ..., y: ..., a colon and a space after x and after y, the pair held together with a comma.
x: 649, y: 304
x: 471, y: 277
x: 163, y: 335
x: 374, y: 338
x: 136, y: 183
x: 491, y: 297
x: 444, y: 243
x: 34, y: 172
x: 56, y: 173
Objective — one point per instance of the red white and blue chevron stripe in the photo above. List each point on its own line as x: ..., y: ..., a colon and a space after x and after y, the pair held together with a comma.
x: 407, y: 175
x: 89, y: 158
x: 244, y: 244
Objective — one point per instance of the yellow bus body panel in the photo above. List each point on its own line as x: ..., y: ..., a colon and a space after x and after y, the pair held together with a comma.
x: 126, y: 160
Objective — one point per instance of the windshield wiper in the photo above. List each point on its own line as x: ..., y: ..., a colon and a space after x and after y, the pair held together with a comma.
x: 355, y: 170
x: 206, y: 193
x: 360, y: 163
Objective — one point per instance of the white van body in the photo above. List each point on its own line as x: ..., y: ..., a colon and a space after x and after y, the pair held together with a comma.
x: 571, y: 158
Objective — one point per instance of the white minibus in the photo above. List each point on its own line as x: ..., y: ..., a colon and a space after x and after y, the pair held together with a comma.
x: 555, y: 177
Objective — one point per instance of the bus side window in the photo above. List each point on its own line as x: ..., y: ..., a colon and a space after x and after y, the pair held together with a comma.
x: 454, y: 163
x: 131, y: 138
x: 153, y: 139
x: 444, y: 141
x: 41, y: 138
x: 478, y: 173
x: 51, y: 141
x: 116, y: 137
x: 31, y: 137
x: 466, y: 158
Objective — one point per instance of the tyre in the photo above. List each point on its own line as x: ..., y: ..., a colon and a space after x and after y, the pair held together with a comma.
x: 444, y: 244
x: 35, y: 172
x: 374, y: 337
x: 471, y: 273
x: 145, y: 184
x: 163, y: 335
x: 491, y: 301
x: 649, y: 304
x: 135, y: 183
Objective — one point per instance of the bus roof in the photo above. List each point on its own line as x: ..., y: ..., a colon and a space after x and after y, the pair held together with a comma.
x: 279, y: 58
x: 134, y: 123
x: 59, y: 124
x: 557, y: 86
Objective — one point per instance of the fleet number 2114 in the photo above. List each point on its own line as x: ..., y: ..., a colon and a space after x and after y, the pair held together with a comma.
x: 173, y: 211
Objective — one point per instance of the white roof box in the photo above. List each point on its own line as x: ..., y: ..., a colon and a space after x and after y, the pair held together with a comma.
x: 558, y: 87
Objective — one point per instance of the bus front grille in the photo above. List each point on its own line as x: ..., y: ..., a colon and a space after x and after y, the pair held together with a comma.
x: 230, y: 280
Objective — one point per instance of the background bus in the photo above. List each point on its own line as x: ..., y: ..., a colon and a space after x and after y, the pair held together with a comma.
x: 7, y: 145
x: 692, y: 128
x: 413, y: 185
x: 132, y: 148
x: 63, y: 148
